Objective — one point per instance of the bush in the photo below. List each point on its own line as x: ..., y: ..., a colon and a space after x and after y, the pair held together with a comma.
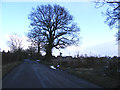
x: 64, y: 63
x: 8, y: 57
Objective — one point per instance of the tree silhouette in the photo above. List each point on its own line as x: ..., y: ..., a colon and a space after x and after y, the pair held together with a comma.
x: 112, y: 13
x: 36, y: 39
x: 15, y: 42
x: 16, y: 45
x: 53, y: 26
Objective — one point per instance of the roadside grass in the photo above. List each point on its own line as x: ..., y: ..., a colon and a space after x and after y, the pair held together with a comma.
x: 92, y: 74
x: 46, y: 63
x: 6, y: 68
x: 95, y: 76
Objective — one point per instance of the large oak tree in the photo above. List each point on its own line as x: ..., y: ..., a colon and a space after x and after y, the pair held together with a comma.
x: 54, y: 26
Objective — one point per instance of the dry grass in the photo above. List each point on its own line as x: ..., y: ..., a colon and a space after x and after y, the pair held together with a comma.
x: 6, y: 68
x: 92, y: 73
x: 96, y: 76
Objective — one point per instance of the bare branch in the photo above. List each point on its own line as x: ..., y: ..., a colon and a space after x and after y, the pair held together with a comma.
x: 52, y: 25
x: 15, y: 42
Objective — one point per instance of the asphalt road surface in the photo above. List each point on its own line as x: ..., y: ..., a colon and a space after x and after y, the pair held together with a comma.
x: 32, y: 74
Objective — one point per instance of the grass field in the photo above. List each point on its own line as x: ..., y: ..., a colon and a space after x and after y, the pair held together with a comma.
x: 6, y: 68
x: 96, y: 75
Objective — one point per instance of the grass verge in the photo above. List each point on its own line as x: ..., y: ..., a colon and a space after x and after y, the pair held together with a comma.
x: 92, y: 74
x: 6, y: 68
x: 96, y: 77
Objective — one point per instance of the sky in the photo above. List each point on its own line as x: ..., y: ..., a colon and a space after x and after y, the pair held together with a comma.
x: 96, y: 38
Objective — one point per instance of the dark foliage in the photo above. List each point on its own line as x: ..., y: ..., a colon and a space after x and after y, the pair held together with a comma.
x: 8, y: 57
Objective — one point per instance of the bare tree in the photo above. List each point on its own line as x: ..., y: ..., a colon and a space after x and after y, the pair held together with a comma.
x: 112, y: 13
x: 36, y: 39
x: 15, y: 42
x: 31, y: 51
x: 16, y: 45
x: 53, y: 26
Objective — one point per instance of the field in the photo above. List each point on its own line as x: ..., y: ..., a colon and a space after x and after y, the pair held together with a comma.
x: 96, y: 75
x: 101, y: 71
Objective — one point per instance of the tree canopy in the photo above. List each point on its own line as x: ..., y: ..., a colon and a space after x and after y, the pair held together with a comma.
x: 53, y: 26
x: 112, y: 13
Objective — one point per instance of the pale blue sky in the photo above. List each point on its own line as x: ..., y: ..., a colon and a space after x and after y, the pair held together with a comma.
x: 94, y: 32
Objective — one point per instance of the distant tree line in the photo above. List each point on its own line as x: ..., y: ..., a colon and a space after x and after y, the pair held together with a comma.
x: 8, y: 57
x: 18, y: 55
x: 16, y: 52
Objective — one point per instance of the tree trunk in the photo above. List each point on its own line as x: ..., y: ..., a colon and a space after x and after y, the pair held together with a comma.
x: 48, y: 53
x: 38, y: 49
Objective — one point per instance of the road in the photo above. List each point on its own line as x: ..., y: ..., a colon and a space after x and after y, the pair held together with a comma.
x: 32, y: 74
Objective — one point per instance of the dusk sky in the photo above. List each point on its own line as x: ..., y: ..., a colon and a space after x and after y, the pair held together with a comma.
x: 96, y: 38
